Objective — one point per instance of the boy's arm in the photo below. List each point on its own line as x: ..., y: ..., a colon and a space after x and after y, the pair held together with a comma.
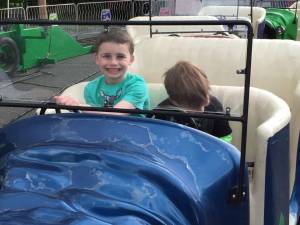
x: 136, y: 94
x: 120, y: 105
x: 66, y: 100
x: 124, y: 105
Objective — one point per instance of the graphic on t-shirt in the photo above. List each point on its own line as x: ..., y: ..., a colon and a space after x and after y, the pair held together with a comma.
x: 109, y: 100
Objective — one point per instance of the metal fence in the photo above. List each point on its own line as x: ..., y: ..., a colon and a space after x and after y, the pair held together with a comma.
x: 12, y: 13
x: 99, y: 11
x: 120, y: 11
x: 116, y: 10
x: 123, y: 10
x: 163, y: 8
x: 56, y: 12
x: 66, y: 12
x: 113, y: 10
x: 102, y: 11
x: 274, y: 4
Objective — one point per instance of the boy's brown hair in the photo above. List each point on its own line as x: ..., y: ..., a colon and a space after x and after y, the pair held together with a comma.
x: 116, y: 35
x: 187, y: 85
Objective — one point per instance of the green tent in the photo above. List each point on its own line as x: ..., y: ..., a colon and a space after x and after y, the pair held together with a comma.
x: 281, y: 24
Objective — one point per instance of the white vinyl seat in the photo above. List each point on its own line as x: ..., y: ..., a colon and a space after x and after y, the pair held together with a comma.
x: 268, y: 114
x: 76, y: 91
x: 274, y: 68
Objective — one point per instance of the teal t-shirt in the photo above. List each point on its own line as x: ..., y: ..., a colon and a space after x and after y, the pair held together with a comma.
x: 132, y: 89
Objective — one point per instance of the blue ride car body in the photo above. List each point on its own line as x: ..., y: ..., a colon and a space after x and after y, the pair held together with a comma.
x: 91, y: 169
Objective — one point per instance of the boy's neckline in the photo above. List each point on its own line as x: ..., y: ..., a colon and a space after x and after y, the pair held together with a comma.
x: 117, y: 83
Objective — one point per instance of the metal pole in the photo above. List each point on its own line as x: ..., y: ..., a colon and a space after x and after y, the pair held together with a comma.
x: 150, y: 16
x: 251, y: 11
x: 7, y: 8
x: 132, y: 8
x: 295, y: 18
x: 237, y: 9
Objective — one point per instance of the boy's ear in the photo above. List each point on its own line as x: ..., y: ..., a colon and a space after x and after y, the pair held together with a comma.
x: 207, y: 101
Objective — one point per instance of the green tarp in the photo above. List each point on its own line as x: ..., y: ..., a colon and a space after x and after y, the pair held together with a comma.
x: 281, y: 24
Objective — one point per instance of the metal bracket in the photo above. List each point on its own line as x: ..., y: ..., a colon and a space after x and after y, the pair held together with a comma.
x: 235, y: 197
x: 250, y: 166
x: 241, y: 71
x: 227, y: 111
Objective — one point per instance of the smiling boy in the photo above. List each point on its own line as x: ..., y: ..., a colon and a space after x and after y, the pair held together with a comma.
x: 116, y: 86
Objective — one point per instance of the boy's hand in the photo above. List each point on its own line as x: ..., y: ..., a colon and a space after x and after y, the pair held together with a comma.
x: 65, y: 100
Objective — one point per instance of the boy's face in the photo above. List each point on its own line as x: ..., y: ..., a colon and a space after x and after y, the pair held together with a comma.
x: 113, y: 60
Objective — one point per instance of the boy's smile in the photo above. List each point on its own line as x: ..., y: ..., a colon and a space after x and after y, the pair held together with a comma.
x: 113, y: 60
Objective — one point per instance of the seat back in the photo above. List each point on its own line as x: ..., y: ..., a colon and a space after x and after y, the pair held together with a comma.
x: 139, y: 32
x: 157, y: 93
x: 234, y: 12
x: 268, y: 118
x: 76, y: 91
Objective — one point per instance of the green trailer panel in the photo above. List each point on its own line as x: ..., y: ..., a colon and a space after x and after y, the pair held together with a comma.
x: 44, y: 45
x: 281, y: 24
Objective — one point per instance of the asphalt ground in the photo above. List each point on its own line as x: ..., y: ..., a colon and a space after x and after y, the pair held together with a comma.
x: 41, y: 84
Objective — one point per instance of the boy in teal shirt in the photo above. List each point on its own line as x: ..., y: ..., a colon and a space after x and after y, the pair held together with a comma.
x: 131, y: 89
x: 115, y: 87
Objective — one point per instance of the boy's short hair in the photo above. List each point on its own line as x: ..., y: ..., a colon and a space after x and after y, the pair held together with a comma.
x: 187, y: 85
x: 116, y: 35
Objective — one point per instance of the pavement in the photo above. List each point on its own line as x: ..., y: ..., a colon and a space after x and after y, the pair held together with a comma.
x: 41, y: 84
